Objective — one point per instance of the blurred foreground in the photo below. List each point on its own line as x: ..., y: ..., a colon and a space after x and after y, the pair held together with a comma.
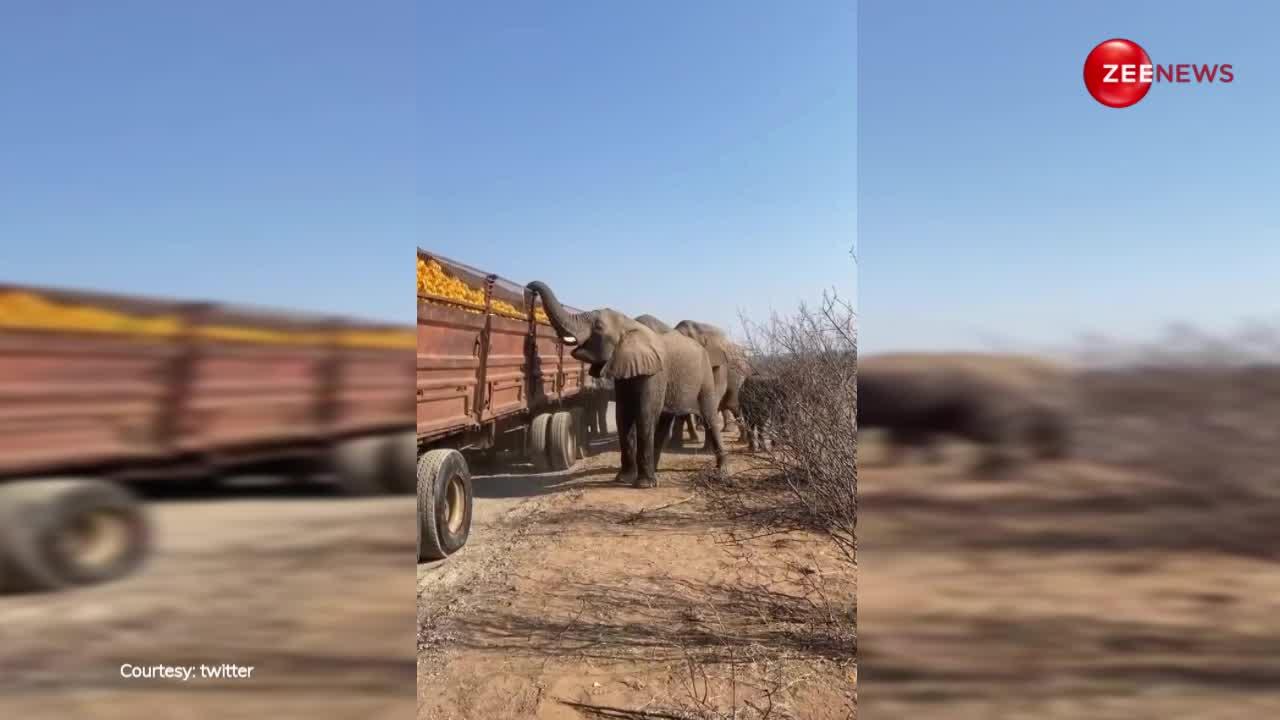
x: 1135, y: 579
x: 122, y: 545
x: 308, y: 588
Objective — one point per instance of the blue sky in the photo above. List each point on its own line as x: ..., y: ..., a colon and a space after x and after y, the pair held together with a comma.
x: 255, y: 152
x: 1000, y: 204
x: 685, y: 162
x: 682, y: 159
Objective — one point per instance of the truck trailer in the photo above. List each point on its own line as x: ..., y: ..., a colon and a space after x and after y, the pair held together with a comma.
x: 492, y: 375
x: 99, y: 392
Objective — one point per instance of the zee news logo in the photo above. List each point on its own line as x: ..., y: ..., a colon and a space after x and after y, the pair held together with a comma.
x: 1119, y: 73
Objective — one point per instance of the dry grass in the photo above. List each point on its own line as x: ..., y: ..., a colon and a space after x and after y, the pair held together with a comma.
x: 801, y: 484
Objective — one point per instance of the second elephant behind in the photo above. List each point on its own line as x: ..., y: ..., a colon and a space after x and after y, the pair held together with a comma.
x: 728, y: 363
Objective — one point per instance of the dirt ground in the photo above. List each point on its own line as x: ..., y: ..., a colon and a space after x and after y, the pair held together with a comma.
x: 309, y: 589
x: 1071, y: 590
x: 588, y: 599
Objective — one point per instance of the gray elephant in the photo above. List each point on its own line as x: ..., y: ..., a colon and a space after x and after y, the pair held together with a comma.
x: 654, y: 324
x: 657, y: 377
x: 728, y: 362
x: 685, y: 422
x: 763, y: 409
x: 1004, y: 408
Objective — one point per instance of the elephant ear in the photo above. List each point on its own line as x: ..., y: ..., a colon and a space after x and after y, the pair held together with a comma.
x: 716, y: 351
x: 636, y: 355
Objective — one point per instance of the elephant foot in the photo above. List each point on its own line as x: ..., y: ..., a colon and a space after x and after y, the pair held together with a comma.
x: 718, y: 474
x: 646, y: 482
x: 624, y: 476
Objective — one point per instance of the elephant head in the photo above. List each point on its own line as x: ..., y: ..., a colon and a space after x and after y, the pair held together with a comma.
x: 653, y: 324
x: 614, y: 345
x: 719, y: 347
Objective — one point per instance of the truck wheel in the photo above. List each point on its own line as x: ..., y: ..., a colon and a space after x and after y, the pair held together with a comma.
x: 580, y: 432
x: 562, y: 441
x: 444, y: 504
x: 402, y: 454
x: 538, y: 431
x: 64, y: 532
x: 360, y: 464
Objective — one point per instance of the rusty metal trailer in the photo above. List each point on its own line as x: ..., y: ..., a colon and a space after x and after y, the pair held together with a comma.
x: 491, y: 375
x: 98, y: 391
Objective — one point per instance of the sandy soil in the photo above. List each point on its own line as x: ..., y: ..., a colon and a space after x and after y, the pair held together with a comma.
x: 310, y: 590
x: 1069, y: 591
x: 589, y: 599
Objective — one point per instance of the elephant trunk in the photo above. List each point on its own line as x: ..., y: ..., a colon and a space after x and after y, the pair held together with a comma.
x: 573, y: 328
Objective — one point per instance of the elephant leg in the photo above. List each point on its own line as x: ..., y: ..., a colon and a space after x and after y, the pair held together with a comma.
x: 599, y: 414
x: 645, y: 430
x: 649, y: 394
x: 665, y: 423
x: 676, y: 440
x: 687, y: 425
x: 714, y: 441
x: 713, y: 419
x: 625, y: 420
x: 588, y: 419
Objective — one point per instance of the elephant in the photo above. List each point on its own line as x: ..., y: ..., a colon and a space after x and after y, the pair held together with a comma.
x: 762, y: 409
x: 1005, y: 410
x: 653, y: 324
x: 727, y: 361
x: 657, y: 377
x: 685, y: 422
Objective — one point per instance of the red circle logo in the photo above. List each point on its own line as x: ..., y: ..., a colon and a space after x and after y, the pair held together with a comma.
x: 1118, y: 73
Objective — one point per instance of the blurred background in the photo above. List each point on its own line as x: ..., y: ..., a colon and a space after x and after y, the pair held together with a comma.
x: 1018, y: 237
x: 232, y: 478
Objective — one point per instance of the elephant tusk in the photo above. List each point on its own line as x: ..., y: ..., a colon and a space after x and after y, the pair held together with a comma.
x: 570, y: 340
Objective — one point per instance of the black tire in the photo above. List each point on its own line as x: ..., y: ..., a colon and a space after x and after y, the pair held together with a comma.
x: 60, y: 533
x: 562, y: 444
x: 360, y: 465
x: 445, y: 501
x: 402, y: 456
x: 538, y: 442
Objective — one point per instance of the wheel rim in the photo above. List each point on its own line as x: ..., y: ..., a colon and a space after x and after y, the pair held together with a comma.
x: 95, y: 540
x: 455, y: 499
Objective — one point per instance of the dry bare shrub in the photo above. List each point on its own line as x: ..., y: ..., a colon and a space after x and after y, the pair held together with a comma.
x: 804, y: 480
x: 811, y: 360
